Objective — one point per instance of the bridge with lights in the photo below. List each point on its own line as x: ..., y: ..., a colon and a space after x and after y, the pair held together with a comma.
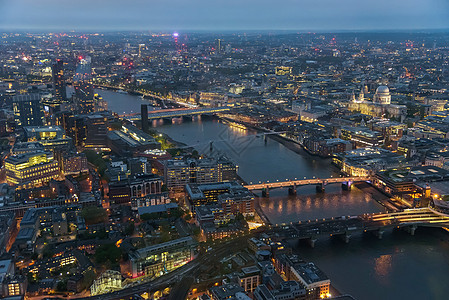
x: 179, y: 112
x: 344, y: 226
x: 293, y: 184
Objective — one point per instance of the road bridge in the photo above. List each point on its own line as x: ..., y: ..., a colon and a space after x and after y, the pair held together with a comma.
x: 179, y: 112
x: 293, y: 184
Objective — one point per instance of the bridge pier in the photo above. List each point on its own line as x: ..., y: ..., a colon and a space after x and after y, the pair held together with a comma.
x: 167, y: 120
x: 266, y: 192
x: 292, y: 190
x: 346, y: 186
x: 311, y: 241
x: 345, y: 237
x: 320, y: 187
x: 379, y: 233
x: 411, y: 229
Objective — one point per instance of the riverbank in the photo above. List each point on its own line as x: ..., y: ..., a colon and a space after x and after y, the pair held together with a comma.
x: 288, y: 143
x: 377, y: 195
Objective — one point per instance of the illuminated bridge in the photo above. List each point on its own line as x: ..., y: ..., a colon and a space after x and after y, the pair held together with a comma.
x: 292, y: 184
x: 180, y: 112
x: 345, y: 226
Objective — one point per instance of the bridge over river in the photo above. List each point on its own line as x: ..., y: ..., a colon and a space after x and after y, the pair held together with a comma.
x: 293, y: 184
x: 345, y: 226
x: 178, y: 112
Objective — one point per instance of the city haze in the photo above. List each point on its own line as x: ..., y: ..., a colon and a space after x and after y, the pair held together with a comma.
x: 322, y: 15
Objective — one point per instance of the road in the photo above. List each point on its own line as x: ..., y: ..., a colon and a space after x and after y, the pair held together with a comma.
x: 181, y: 289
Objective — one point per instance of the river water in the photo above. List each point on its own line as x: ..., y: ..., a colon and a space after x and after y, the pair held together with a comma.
x: 399, y: 266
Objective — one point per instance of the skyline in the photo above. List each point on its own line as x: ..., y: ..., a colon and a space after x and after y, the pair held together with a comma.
x: 150, y: 162
x: 199, y: 15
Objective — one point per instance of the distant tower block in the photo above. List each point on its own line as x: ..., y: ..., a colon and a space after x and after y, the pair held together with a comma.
x: 144, y: 116
x: 59, y: 81
x: 140, y: 49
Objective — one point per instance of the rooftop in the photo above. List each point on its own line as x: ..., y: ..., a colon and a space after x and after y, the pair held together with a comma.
x: 226, y: 291
x: 310, y: 273
x: 156, y: 208
x: 144, y: 252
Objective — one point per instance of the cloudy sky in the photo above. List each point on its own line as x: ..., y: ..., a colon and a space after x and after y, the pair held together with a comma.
x: 154, y: 15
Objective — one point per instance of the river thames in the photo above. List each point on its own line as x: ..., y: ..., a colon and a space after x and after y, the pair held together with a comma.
x: 399, y: 266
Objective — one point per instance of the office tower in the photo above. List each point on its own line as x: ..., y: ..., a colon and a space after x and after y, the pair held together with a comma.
x: 31, y: 169
x: 50, y: 137
x: 144, y: 116
x: 178, y: 173
x: 58, y: 81
x: 84, y: 97
x: 96, y: 131
x: 83, y: 70
x: 28, y: 110
x: 141, y: 46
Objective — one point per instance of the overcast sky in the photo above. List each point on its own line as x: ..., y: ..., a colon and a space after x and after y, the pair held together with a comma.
x: 155, y: 15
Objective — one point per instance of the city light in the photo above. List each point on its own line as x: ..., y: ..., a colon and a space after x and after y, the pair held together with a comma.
x: 136, y: 163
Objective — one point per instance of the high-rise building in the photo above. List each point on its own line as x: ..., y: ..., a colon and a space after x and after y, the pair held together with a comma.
x: 144, y: 116
x: 58, y: 81
x: 28, y: 110
x: 84, y: 97
x: 31, y: 169
x: 88, y: 131
x: 179, y: 173
x: 50, y: 137
x: 83, y: 70
x: 96, y: 131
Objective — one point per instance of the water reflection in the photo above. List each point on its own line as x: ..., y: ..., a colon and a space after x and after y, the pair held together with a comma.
x: 382, y: 267
x: 307, y: 204
x: 404, y: 266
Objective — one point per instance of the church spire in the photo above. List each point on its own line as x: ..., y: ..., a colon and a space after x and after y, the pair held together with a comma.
x: 361, y: 95
x: 352, y: 98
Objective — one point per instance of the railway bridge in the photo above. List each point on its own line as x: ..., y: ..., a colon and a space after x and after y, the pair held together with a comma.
x: 345, y: 226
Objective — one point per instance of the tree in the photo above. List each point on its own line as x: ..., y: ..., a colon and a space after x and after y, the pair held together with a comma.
x: 61, y: 286
x: 96, y: 159
x: 94, y: 215
x: 196, y: 231
x: 47, y: 252
x: 129, y: 230
x: 108, y: 253
x: 88, y: 278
